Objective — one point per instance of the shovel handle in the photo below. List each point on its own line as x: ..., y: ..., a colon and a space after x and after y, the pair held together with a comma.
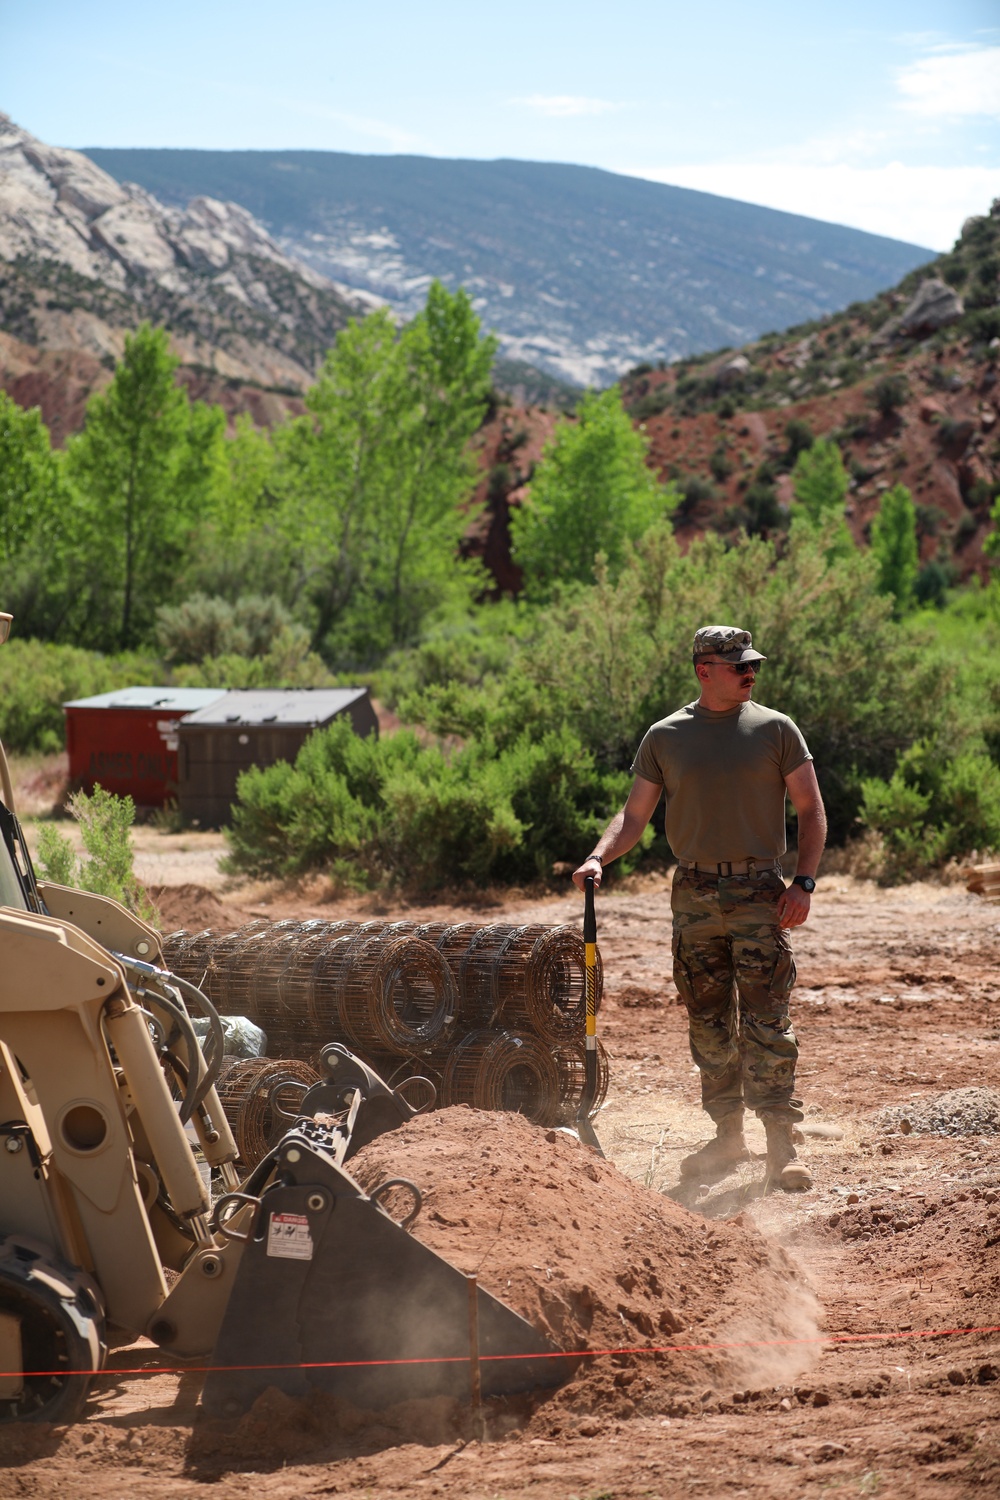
x: 589, y: 911
x: 584, y: 1128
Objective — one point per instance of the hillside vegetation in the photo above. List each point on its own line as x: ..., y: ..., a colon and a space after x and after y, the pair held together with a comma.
x: 913, y: 402
x: 351, y: 542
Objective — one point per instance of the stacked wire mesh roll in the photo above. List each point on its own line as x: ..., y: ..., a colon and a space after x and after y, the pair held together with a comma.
x: 493, y: 1014
x: 260, y: 1097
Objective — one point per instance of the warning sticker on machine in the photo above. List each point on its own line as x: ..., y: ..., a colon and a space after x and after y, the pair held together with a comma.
x: 288, y: 1236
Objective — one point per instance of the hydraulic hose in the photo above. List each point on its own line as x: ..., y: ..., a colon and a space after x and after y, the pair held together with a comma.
x: 182, y: 1022
x: 213, y: 1056
x: 154, y: 982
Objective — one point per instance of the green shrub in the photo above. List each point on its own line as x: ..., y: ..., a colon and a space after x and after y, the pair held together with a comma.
x: 204, y: 627
x: 933, y: 582
x: 693, y: 490
x: 889, y: 394
x: 37, y: 678
x: 105, y: 826
x: 56, y: 857
x: 720, y: 463
x: 614, y: 658
x: 377, y: 812
x: 934, y: 807
x: 800, y: 437
x: 762, y: 510
x: 289, y: 664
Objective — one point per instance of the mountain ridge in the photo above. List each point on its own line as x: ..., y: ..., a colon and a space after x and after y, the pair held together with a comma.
x: 582, y: 272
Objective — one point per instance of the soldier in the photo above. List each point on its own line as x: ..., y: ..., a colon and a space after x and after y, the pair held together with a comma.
x: 725, y: 764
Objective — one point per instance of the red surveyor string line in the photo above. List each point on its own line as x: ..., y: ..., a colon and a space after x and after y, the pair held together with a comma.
x: 459, y: 1359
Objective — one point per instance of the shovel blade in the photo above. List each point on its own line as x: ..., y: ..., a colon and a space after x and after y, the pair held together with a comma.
x: 588, y: 1135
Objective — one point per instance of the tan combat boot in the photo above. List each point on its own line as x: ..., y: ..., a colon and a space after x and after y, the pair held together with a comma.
x: 721, y: 1155
x: 784, y: 1169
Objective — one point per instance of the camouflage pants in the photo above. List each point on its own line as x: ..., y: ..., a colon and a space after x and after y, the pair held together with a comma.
x: 734, y: 971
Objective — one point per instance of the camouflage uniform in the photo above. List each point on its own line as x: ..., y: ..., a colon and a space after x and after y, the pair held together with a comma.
x: 734, y: 970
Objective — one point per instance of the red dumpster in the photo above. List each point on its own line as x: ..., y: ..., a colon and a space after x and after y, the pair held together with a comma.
x: 126, y: 741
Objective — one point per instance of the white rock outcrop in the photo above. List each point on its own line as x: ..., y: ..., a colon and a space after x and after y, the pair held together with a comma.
x: 733, y: 371
x: 934, y: 306
x: 56, y: 204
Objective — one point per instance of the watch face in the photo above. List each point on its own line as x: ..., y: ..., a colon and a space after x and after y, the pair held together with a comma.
x: 807, y: 883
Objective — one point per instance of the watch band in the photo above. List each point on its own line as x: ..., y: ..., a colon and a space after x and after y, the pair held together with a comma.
x: 807, y: 883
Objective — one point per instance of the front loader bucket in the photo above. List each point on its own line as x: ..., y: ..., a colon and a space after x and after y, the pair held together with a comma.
x: 332, y: 1294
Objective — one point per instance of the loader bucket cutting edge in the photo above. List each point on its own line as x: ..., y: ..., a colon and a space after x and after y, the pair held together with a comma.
x: 338, y: 1297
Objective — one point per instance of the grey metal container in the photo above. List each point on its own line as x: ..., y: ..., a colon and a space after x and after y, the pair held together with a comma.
x: 254, y: 728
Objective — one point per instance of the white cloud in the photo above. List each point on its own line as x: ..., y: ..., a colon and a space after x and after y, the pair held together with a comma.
x: 952, y: 81
x: 562, y: 106
x: 925, y: 205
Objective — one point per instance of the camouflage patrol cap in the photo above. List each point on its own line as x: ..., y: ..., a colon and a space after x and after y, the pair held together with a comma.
x: 726, y: 642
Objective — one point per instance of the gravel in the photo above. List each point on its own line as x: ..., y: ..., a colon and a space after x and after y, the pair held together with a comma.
x: 971, y: 1111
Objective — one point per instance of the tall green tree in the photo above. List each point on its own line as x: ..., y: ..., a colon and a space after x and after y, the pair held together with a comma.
x: 894, y: 545
x: 376, y: 481
x: 28, y: 478
x: 143, y: 470
x: 32, y: 507
x: 820, y: 480
x: 820, y: 483
x: 592, y: 493
x: 238, y: 548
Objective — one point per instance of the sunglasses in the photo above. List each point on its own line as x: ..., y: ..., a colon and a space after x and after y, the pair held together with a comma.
x: 741, y: 668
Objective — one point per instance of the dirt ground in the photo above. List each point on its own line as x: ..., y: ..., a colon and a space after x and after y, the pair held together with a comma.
x: 809, y: 1342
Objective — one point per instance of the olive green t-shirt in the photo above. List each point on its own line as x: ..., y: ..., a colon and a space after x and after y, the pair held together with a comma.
x: 724, y: 778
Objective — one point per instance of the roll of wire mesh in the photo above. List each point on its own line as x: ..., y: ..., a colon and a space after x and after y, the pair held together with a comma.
x: 570, y: 1065
x: 452, y: 946
x: 329, y: 971
x: 260, y: 1098
x: 396, y: 995
x: 511, y: 967
x: 297, y: 988
x: 189, y: 954
x: 297, y: 980
x: 556, y: 985
x: 431, y: 932
x: 287, y: 1019
x: 503, y: 1070
x: 477, y: 998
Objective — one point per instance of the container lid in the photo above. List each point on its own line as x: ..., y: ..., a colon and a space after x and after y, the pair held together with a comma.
x: 260, y: 706
x: 176, y: 700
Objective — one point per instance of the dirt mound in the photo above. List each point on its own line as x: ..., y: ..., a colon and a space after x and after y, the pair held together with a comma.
x: 192, y: 907
x: 969, y: 1111
x: 593, y: 1259
x: 596, y: 1260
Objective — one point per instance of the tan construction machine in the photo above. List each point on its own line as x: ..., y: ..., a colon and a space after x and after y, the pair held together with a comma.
x: 292, y: 1277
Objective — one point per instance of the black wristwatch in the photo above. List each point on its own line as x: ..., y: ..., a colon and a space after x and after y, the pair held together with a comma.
x: 806, y: 882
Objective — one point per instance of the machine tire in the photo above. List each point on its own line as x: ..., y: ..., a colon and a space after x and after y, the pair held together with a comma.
x: 62, y: 1332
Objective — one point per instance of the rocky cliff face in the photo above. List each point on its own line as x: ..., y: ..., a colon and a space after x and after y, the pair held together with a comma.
x: 87, y: 257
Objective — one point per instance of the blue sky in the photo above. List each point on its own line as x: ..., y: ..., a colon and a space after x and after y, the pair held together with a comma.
x: 883, y: 115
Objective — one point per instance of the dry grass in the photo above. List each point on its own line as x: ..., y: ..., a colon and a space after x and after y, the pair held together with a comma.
x: 40, y: 784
